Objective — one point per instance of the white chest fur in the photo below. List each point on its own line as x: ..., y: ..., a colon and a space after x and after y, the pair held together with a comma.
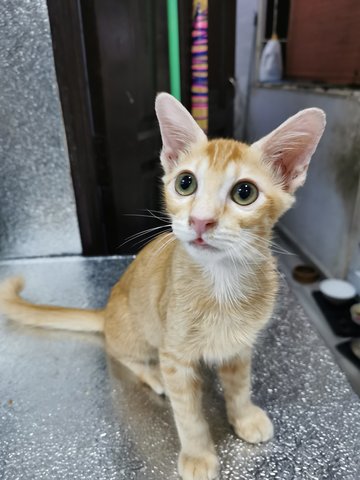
x: 230, y: 282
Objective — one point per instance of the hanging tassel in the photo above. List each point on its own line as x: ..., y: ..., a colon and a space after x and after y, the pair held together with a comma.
x: 199, y: 64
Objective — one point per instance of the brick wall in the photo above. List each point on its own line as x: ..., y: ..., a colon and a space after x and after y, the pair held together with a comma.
x: 324, y: 41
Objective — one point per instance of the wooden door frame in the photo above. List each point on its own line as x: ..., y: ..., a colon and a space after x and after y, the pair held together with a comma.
x: 70, y: 65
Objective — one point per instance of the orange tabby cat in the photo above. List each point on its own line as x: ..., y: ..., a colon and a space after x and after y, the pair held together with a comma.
x: 204, y: 291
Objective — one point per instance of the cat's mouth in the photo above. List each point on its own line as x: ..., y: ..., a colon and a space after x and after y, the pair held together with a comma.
x: 200, y: 243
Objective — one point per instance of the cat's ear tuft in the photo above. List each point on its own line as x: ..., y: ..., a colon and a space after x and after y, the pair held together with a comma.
x: 178, y: 129
x: 289, y: 147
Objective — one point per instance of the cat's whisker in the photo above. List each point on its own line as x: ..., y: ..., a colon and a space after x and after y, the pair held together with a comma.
x: 171, y: 239
x: 164, y: 219
x: 144, y: 232
x: 282, y: 252
x: 268, y: 242
x: 278, y: 249
x: 258, y: 241
x: 157, y: 214
x: 241, y: 245
x: 163, y: 245
x: 145, y: 241
x: 238, y: 245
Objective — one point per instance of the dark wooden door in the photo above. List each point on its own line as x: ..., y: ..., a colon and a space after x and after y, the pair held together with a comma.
x: 111, y: 59
x: 129, y: 68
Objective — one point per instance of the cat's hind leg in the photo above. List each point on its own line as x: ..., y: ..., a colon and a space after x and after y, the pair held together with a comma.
x: 144, y: 365
x: 127, y: 345
x: 147, y: 372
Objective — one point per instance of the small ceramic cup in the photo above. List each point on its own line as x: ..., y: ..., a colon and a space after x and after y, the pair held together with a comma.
x: 355, y: 313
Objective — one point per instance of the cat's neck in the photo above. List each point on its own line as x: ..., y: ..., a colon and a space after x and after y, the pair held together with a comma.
x: 233, y: 279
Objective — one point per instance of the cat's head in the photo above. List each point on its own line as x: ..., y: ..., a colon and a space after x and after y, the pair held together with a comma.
x: 224, y: 196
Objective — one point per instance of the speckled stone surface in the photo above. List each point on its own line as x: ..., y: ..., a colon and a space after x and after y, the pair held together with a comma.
x: 69, y: 413
x: 37, y: 198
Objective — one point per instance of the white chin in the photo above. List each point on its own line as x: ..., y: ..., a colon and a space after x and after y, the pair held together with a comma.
x: 203, y: 253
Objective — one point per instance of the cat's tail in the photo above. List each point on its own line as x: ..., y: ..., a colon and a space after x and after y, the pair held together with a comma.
x: 46, y: 316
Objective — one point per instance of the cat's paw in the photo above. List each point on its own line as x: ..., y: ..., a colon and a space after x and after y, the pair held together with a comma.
x: 155, y: 381
x: 254, y: 426
x: 202, y: 467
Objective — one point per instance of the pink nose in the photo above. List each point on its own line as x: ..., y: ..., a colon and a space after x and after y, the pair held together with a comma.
x: 200, y: 225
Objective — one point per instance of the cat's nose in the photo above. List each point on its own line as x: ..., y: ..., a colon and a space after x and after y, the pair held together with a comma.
x: 200, y: 225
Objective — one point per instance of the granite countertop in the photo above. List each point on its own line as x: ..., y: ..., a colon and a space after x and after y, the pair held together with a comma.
x: 69, y: 412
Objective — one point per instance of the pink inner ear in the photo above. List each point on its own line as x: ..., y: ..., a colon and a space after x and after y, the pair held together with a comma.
x: 178, y: 129
x: 290, y: 147
x: 291, y: 156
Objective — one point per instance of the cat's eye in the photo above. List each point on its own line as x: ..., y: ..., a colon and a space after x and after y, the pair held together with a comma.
x: 185, y: 183
x: 244, y: 193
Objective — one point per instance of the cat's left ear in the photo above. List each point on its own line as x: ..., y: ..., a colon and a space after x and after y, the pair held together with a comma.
x: 290, y: 147
x: 178, y: 129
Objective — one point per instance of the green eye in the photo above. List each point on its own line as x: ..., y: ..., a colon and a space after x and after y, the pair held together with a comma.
x: 244, y: 193
x: 185, y: 183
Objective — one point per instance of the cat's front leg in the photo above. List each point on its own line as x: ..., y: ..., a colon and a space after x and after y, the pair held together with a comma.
x: 197, y: 460
x: 250, y: 422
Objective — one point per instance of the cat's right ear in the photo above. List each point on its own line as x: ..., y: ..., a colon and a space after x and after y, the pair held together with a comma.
x: 178, y: 129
